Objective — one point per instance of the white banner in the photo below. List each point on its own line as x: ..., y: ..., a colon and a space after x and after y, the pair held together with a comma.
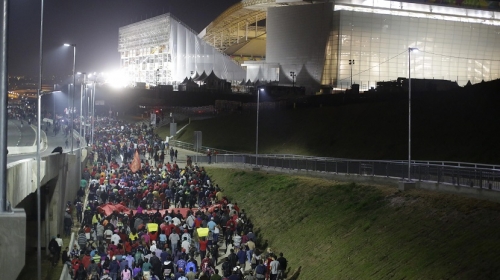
x: 153, y: 119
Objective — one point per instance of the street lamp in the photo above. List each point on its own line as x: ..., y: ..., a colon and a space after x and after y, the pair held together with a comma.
x: 410, y: 50
x: 80, y: 130
x: 73, y: 98
x: 38, y: 156
x: 92, y: 109
x: 257, y: 130
x: 293, y: 75
x: 351, y: 62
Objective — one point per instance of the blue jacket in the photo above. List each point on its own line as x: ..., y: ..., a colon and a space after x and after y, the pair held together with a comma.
x: 241, y: 256
x: 113, y: 267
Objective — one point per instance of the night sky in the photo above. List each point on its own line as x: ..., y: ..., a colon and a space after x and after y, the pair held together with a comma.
x: 93, y: 26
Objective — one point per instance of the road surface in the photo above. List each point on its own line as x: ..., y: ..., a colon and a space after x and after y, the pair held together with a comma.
x: 53, y: 141
x: 20, y: 135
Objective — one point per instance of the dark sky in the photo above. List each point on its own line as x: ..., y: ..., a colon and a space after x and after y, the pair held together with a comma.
x: 93, y: 26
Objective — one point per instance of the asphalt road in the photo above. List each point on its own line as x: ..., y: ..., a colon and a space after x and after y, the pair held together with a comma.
x: 20, y: 136
x: 53, y: 141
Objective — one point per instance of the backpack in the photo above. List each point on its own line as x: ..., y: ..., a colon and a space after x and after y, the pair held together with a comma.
x: 261, y: 269
x: 138, y: 276
x: 226, y: 267
x: 233, y: 259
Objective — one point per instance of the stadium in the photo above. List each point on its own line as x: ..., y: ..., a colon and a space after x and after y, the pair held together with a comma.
x: 323, y: 43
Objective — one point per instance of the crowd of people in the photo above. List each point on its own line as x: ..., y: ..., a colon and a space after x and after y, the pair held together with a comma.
x: 158, y: 220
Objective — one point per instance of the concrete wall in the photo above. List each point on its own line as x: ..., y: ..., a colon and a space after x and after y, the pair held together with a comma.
x: 59, y: 184
x: 13, y: 243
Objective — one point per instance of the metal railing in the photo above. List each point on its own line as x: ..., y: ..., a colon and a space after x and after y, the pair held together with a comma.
x: 202, y: 150
x: 464, y: 174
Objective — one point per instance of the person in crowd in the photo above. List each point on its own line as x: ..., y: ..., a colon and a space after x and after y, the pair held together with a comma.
x: 147, y: 192
x: 282, y: 267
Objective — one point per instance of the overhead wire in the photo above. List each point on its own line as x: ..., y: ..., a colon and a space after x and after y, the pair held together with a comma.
x: 458, y: 57
x: 374, y: 66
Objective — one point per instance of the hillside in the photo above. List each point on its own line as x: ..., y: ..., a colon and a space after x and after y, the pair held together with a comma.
x: 337, y: 230
x: 446, y: 126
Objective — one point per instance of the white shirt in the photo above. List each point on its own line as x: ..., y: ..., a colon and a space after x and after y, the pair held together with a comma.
x: 186, y: 235
x: 59, y: 241
x: 236, y: 240
x: 275, y: 265
x: 109, y: 233
x: 115, y: 238
x: 185, y: 245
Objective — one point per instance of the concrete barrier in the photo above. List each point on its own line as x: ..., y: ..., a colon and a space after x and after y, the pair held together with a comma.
x: 13, y: 243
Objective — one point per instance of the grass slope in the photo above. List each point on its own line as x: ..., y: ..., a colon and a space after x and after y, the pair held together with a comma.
x: 335, y: 230
x: 453, y: 127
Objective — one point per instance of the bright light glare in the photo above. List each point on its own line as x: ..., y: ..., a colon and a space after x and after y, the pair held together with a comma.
x: 116, y: 79
x: 67, y: 45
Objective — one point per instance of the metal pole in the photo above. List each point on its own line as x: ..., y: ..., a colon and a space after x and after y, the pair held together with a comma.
x: 84, y: 111
x: 257, y: 130
x: 409, y: 114
x: 73, y: 98
x: 38, y: 159
x: 4, y: 78
x: 81, y: 106
x: 54, y: 100
x: 93, y: 108
x: 351, y: 63
x: 80, y: 132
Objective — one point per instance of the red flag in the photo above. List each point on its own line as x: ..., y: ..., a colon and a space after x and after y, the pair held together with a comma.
x: 136, y: 162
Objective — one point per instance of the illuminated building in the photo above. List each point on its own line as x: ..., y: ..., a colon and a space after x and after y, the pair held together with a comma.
x: 316, y: 40
x: 164, y: 51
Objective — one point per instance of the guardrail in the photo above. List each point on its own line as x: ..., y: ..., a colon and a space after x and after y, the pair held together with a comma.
x: 465, y: 174
x: 202, y: 150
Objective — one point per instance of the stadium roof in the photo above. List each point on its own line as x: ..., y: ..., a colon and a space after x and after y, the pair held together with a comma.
x: 241, y: 29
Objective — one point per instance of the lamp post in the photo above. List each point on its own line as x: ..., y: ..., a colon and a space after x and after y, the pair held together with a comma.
x: 410, y: 50
x: 293, y: 75
x: 351, y: 63
x: 92, y: 100
x: 73, y: 98
x: 38, y: 157
x: 79, y: 158
x: 257, y: 129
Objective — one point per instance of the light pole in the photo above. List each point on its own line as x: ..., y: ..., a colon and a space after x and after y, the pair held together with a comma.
x: 293, y: 75
x: 257, y: 130
x: 73, y: 98
x: 92, y: 103
x: 351, y: 62
x: 80, y: 130
x: 93, y: 112
x: 82, y: 88
x: 410, y: 50
x: 38, y: 157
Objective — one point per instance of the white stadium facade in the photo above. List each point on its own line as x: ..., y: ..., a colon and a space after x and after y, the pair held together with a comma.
x: 266, y: 40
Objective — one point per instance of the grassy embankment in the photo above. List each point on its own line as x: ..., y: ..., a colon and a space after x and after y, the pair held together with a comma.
x: 452, y: 127
x: 336, y: 230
